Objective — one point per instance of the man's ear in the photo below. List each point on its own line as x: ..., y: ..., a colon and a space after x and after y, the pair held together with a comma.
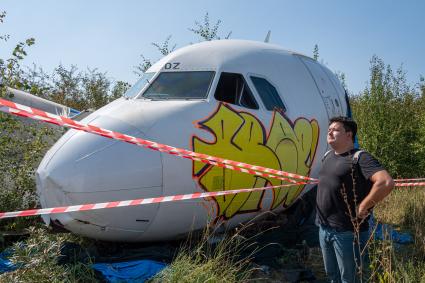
x: 350, y: 134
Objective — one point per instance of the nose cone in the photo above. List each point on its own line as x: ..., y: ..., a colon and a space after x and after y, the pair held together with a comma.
x: 86, y: 168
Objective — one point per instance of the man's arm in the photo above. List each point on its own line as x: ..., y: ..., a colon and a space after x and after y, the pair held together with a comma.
x: 383, y: 184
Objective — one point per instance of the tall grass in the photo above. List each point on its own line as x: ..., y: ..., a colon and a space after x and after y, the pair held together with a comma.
x: 202, y: 261
x: 404, y: 209
x: 39, y: 256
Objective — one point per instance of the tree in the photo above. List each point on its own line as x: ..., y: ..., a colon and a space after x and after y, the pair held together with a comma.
x: 163, y: 48
x: 65, y: 88
x: 316, y: 52
x: 21, y: 145
x: 120, y: 87
x: 420, y: 144
x: 204, y: 30
x: 89, y: 90
x: 95, y: 86
x: 341, y: 77
x: 387, y: 115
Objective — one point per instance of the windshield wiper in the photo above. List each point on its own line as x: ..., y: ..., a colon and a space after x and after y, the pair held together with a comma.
x: 158, y: 96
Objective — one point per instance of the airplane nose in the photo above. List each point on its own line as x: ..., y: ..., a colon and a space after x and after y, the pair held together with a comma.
x: 86, y: 168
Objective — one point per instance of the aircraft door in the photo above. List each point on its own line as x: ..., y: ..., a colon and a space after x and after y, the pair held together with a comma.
x: 327, y: 91
x: 240, y: 125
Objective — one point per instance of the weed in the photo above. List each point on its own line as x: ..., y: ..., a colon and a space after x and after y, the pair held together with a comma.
x: 38, y: 256
x: 202, y: 261
x: 405, y: 208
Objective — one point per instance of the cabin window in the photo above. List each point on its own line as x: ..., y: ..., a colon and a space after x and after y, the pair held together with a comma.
x: 180, y: 85
x: 139, y: 85
x: 268, y: 94
x: 232, y: 88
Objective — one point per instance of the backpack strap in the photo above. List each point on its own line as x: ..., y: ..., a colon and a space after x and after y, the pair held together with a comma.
x: 356, y: 156
x: 355, y: 167
x: 326, y: 154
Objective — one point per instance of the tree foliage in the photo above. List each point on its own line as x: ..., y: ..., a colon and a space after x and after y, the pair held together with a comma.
x: 316, y: 52
x: 23, y: 144
x: 71, y: 87
x: 204, y: 30
x: 420, y: 143
x: 163, y: 48
x: 388, y: 113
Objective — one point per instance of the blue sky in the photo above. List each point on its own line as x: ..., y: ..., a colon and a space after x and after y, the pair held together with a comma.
x: 111, y: 35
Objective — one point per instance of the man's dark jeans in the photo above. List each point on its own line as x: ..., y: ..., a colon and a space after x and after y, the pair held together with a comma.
x: 341, y: 254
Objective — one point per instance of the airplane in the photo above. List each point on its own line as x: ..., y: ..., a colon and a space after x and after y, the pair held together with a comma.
x: 247, y: 101
x: 43, y: 104
x: 34, y: 101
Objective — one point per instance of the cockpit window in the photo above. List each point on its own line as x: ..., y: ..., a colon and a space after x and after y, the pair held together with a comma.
x: 180, y: 85
x: 233, y: 89
x: 139, y: 85
x: 268, y: 94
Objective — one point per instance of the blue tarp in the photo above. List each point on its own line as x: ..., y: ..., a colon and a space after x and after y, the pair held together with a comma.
x: 385, y: 231
x: 5, y: 264
x: 131, y: 271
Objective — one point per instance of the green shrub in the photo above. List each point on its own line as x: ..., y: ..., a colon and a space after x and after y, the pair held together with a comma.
x: 388, y: 114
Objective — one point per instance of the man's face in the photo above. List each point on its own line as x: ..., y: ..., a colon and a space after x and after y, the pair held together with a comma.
x: 337, y: 136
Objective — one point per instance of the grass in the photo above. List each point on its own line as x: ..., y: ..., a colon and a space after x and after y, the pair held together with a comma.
x: 39, y: 258
x: 197, y: 261
x: 203, y: 261
x: 405, y: 210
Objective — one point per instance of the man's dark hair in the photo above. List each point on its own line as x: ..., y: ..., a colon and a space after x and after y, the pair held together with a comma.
x: 348, y: 123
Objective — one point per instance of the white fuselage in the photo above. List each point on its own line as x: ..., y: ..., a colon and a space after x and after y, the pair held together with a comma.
x: 85, y: 168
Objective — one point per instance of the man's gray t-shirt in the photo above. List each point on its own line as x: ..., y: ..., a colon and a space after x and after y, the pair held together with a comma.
x: 336, y: 181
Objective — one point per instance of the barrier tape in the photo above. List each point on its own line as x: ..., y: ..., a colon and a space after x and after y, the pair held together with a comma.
x: 143, y: 201
x: 404, y: 180
x: 415, y: 184
x: 133, y: 202
x: 25, y: 111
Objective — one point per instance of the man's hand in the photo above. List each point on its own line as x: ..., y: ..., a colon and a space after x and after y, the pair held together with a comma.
x: 382, y: 186
x: 362, y: 212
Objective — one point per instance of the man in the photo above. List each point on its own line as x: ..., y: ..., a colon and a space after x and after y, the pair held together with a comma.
x: 350, y: 185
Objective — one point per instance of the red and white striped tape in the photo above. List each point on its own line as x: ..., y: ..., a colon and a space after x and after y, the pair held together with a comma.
x: 133, y: 202
x: 414, y: 184
x: 24, y: 111
x: 124, y: 203
x: 405, y: 180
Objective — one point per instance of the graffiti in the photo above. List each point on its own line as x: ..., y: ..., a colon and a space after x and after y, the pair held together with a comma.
x: 242, y: 137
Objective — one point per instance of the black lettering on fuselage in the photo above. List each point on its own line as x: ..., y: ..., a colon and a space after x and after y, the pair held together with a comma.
x: 172, y: 66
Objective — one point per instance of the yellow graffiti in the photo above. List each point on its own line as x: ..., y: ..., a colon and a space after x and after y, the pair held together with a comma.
x: 240, y: 136
x: 295, y: 146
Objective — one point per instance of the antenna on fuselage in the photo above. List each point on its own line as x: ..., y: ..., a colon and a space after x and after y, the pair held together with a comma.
x: 267, y: 39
